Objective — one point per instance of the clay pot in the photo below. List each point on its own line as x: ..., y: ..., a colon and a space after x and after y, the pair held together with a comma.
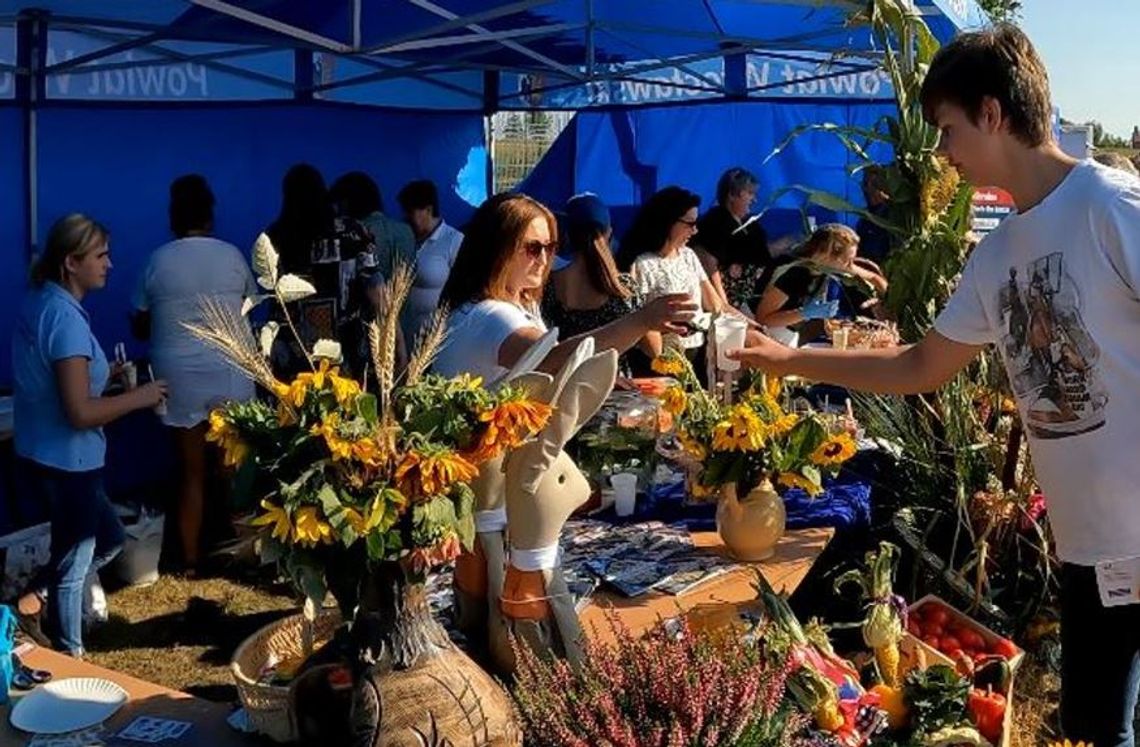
x: 421, y: 690
x: 751, y: 526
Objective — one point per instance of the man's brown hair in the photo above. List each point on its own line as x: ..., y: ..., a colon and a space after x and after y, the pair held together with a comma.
x: 1000, y: 63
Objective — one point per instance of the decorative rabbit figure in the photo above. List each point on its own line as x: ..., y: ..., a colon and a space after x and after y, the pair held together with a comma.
x: 479, y: 574
x: 544, y: 486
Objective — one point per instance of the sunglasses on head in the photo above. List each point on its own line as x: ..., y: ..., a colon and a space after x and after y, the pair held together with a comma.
x: 537, y: 248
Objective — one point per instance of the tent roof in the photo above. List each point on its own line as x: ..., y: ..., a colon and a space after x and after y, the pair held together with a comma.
x: 568, y: 42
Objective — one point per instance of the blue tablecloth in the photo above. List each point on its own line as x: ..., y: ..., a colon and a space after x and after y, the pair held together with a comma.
x: 844, y: 504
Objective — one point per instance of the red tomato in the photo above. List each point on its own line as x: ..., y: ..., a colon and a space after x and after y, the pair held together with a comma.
x: 938, y: 615
x: 1004, y: 647
x: 933, y: 629
x: 931, y: 640
x: 914, y: 628
x: 949, y: 644
x: 971, y: 639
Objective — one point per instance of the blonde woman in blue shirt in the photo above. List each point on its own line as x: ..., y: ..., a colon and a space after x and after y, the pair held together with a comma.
x: 60, y: 372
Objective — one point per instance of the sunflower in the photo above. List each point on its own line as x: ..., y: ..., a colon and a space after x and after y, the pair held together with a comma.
x: 310, y: 529
x: 315, y: 380
x: 367, y: 451
x: 422, y: 559
x: 508, y: 425
x: 783, y: 424
x: 424, y: 475
x: 339, y: 447
x: 835, y: 450
x: 674, y: 400
x: 667, y: 365
x: 692, y: 446
x: 742, y: 431
x: 225, y: 435
x: 792, y: 480
x: 278, y: 517
x: 344, y: 389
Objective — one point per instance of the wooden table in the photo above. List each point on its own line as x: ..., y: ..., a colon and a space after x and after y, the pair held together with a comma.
x: 785, y: 571
x: 146, y: 699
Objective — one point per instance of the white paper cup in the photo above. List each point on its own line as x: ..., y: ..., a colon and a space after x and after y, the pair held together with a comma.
x: 729, y: 334
x: 625, y: 493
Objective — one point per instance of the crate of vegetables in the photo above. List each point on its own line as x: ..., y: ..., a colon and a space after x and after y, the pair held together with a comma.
x: 957, y: 636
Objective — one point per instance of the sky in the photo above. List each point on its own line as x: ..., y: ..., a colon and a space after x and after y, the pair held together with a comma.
x: 1092, y: 51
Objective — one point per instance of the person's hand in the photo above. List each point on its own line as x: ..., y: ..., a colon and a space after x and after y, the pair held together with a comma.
x: 623, y: 384
x: 764, y: 354
x: 150, y: 394
x: 669, y: 313
x: 818, y: 308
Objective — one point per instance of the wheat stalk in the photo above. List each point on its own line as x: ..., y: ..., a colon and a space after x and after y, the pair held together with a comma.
x: 428, y: 342
x: 382, y: 333
x: 228, y: 332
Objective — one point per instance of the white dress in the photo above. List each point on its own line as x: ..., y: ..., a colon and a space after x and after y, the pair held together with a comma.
x: 176, y: 278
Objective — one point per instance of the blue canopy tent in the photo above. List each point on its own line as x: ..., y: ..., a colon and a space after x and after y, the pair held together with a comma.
x: 104, y: 103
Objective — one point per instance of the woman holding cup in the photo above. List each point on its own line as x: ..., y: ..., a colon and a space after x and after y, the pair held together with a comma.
x: 497, y: 282
x: 60, y: 373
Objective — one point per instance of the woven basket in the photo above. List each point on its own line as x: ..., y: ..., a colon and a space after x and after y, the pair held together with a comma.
x: 268, y: 705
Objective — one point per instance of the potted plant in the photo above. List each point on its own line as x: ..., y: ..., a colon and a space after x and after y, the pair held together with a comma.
x: 747, y: 448
x: 363, y: 493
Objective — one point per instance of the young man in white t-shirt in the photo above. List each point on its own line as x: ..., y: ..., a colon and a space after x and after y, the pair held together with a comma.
x: 1056, y: 288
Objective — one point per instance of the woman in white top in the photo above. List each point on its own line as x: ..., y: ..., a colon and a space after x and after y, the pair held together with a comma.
x: 177, y: 277
x: 655, y: 250
x: 497, y: 283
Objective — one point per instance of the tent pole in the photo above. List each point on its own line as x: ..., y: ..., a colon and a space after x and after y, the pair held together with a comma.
x: 490, y: 106
x: 31, y: 59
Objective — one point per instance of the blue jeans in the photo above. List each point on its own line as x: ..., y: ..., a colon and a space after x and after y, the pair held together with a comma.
x: 85, y: 535
x: 1100, y: 663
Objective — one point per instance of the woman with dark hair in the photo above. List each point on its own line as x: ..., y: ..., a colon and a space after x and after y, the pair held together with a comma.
x: 656, y: 251
x: 589, y: 292
x: 305, y: 219
x: 60, y: 373
x: 495, y: 287
x: 169, y: 296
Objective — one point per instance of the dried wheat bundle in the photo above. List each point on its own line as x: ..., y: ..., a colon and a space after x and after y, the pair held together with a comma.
x: 228, y: 332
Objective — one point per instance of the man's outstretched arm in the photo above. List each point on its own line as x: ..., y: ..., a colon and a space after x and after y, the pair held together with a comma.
x: 907, y: 369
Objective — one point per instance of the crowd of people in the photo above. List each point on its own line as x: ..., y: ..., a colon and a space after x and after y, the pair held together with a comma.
x: 516, y: 271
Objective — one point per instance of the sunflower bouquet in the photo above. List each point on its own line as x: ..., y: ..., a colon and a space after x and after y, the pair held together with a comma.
x: 753, y: 439
x: 347, y: 478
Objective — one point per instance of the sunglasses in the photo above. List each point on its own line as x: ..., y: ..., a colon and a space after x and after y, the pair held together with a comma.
x: 689, y: 223
x: 537, y: 248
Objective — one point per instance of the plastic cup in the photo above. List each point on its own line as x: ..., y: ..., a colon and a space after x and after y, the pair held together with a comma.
x: 130, y: 375
x: 841, y: 337
x: 729, y: 334
x: 625, y: 493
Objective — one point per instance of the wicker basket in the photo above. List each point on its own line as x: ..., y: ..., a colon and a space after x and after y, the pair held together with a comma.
x: 268, y: 705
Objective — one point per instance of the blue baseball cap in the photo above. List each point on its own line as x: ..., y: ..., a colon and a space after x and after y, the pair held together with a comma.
x: 587, y: 209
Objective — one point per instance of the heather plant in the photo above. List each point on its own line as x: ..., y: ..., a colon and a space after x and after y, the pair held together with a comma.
x: 667, y: 689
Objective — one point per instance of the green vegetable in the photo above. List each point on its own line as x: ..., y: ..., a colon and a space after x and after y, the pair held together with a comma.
x: 993, y: 674
x: 937, y: 699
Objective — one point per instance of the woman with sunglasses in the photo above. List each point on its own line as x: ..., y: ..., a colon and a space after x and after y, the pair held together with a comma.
x: 656, y: 251
x: 496, y: 285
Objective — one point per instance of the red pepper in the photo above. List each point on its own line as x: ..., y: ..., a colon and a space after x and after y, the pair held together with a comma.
x: 987, y: 708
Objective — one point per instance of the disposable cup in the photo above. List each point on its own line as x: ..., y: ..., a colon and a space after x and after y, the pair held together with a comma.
x: 130, y: 375
x: 729, y: 334
x: 625, y: 493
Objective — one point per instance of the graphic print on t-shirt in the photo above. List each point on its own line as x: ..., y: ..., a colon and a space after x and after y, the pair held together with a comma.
x: 1051, y: 358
